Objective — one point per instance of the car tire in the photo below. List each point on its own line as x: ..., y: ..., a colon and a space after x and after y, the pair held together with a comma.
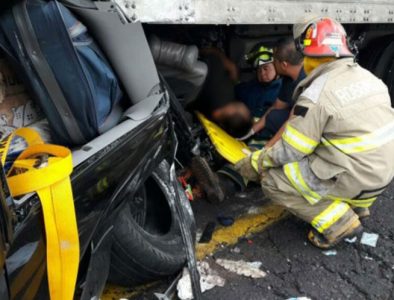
x: 149, y: 247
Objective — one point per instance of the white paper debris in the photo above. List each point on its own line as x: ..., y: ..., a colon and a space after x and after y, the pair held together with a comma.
x: 255, y: 264
x: 369, y: 239
x: 236, y: 250
x: 254, y: 210
x: 241, y: 267
x: 299, y: 298
x: 208, y: 280
x: 330, y: 252
x: 351, y: 241
x: 368, y: 258
x: 198, y: 235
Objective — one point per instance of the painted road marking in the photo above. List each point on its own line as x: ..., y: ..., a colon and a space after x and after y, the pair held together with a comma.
x: 244, y: 226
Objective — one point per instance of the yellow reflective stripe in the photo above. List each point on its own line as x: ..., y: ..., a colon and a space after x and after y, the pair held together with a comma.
x: 330, y: 215
x: 4, y: 146
x: 364, y: 142
x: 293, y: 173
x: 267, y: 162
x: 298, y: 141
x: 254, y: 160
x: 355, y: 202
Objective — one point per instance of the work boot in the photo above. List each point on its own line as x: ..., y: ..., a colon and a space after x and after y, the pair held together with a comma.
x: 319, y: 240
x: 207, y: 179
x: 362, y: 212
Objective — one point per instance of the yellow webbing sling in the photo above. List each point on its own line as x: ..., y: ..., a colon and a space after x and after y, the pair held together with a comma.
x: 227, y: 146
x: 51, y: 182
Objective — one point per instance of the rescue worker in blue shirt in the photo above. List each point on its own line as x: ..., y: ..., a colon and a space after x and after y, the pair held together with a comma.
x: 288, y: 63
x: 260, y: 93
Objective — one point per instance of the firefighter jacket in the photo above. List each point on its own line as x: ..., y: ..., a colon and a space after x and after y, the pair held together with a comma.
x: 339, y: 144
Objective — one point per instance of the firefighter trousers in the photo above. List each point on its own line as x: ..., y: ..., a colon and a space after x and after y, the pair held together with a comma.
x: 329, y: 217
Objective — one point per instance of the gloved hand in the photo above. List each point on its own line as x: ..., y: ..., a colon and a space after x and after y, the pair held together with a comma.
x: 244, y: 167
x: 248, y: 135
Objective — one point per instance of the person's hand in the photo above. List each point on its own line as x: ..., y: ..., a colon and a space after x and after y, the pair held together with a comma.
x: 245, y: 168
x: 246, y: 136
x: 259, y: 125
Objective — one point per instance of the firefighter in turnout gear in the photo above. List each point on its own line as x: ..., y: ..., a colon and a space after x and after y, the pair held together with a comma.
x: 335, y: 155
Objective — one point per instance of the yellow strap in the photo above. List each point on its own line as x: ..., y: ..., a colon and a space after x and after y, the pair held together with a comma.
x: 53, y: 186
x: 4, y: 146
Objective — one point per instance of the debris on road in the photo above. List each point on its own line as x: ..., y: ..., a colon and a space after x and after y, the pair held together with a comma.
x: 225, y: 221
x: 241, y: 267
x: 299, y: 298
x: 351, y: 241
x: 254, y: 210
x: 198, y: 235
x: 235, y: 250
x: 368, y: 258
x: 369, y: 239
x: 206, y: 235
x: 208, y: 280
x: 330, y: 252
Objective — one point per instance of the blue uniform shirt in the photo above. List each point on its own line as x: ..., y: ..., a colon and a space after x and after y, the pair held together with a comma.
x: 258, y: 97
x: 288, y: 87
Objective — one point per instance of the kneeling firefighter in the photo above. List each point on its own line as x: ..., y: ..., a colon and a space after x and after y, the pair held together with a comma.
x: 335, y: 155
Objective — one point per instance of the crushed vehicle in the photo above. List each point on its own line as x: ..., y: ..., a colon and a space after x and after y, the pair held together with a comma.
x: 125, y: 194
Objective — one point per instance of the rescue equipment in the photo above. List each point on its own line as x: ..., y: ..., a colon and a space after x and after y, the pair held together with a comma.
x: 227, y: 146
x: 45, y: 169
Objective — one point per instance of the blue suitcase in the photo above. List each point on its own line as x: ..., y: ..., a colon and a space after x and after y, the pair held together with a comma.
x: 67, y: 73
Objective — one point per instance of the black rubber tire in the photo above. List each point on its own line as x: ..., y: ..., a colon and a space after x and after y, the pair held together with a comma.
x: 154, y: 249
x: 207, y: 179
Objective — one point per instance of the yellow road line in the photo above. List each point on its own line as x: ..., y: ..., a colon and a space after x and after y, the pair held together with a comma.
x: 242, y: 227
x: 114, y: 292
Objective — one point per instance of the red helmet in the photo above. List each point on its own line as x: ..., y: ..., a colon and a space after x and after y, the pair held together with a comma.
x: 322, y: 37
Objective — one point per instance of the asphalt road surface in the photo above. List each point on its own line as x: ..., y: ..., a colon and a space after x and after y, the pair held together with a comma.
x: 295, y: 268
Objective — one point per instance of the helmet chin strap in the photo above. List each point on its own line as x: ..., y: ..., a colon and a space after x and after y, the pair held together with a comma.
x: 311, y: 63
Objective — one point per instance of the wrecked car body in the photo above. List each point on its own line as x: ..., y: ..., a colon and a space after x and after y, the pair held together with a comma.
x: 119, y: 174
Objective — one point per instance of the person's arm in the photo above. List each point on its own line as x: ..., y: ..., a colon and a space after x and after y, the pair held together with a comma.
x: 228, y: 64
x: 279, y: 133
x: 260, y: 124
x: 301, y: 135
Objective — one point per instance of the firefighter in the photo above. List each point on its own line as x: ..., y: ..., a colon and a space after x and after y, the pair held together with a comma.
x: 335, y: 155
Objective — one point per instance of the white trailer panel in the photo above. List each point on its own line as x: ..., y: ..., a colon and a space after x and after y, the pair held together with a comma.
x: 256, y: 11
